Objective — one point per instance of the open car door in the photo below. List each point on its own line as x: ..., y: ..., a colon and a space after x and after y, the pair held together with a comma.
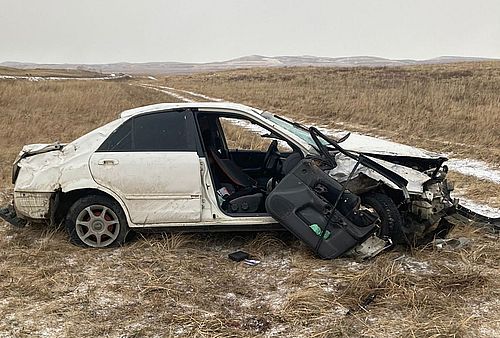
x: 317, y: 210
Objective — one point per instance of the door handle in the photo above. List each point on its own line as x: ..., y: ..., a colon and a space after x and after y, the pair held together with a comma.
x: 107, y: 162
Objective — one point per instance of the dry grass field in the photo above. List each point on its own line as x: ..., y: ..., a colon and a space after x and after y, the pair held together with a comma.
x: 47, y: 72
x: 184, y: 285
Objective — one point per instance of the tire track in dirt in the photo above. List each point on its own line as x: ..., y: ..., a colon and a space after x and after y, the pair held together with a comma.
x: 165, y: 91
x: 197, y: 95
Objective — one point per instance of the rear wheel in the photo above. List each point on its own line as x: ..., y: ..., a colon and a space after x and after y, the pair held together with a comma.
x: 391, y: 222
x: 96, y: 221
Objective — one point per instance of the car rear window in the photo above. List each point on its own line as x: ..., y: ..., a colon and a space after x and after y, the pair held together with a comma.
x: 167, y: 131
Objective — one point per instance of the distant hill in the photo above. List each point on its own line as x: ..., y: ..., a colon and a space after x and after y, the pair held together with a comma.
x: 243, y: 62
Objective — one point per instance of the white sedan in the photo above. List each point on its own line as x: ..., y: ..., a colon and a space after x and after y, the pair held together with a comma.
x: 205, y: 167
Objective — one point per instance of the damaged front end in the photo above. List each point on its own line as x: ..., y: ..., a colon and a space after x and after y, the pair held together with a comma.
x: 418, y: 190
x: 424, y: 208
x: 324, y: 213
x: 425, y: 215
x: 425, y: 204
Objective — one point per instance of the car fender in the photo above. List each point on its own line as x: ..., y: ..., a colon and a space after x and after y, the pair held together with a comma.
x: 93, y: 185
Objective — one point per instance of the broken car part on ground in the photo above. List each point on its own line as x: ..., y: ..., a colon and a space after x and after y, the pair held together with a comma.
x: 179, y: 167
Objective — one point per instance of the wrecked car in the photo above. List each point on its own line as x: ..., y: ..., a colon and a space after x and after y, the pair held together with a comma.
x: 176, y: 167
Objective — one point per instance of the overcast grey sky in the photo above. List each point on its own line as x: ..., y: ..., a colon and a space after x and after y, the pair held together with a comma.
x: 102, y: 31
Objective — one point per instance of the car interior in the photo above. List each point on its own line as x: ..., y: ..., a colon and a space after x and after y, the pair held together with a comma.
x: 246, y: 161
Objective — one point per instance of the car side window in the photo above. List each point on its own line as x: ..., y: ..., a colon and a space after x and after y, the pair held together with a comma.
x: 243, y: 134
x: 166, y: 131
x: 120, y: 139
x: 169, y: 131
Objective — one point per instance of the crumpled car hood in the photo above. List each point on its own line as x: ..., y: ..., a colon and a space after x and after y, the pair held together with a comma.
x: 345, y: 164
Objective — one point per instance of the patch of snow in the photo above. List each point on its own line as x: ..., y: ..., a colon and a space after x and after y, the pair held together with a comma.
x: 71, y: 261
x: 8, y: 238
x: 50, y: 332
x: 321, y: 269
x: 328, y: 288
x: 276, y: 299
x: 479, y: 169
x: 179, y: 331
x: 483, y: 310
x: 481, y: 209
x: 230, y: 295
x: 412, y: 265
x: 193, y: 94
x: 340, y: 310
x: 354, y: 265
x: 276, y: 331
x: 489, y: 332
x: 168, y: 92
x: 152, y: 78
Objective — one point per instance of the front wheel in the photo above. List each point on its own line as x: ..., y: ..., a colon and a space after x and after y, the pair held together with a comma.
x: 391, y: 221
x: 96, y: 221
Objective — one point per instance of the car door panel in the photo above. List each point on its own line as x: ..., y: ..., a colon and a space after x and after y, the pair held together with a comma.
x: 303, y: 203
x: 156, y: 187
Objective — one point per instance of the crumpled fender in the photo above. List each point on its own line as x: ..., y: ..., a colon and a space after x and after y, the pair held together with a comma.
x: 66, y: 169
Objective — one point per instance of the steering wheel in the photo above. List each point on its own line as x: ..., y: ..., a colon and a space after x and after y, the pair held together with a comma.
x: 271, y: 152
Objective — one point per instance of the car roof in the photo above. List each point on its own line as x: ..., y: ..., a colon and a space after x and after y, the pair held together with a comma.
x: 177, y: 105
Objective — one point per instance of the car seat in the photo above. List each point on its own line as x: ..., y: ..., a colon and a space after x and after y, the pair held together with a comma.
x: 247, y: 198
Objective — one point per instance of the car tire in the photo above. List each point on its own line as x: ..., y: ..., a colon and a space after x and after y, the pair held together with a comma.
x: 391, y: 221
x: 96, y: 221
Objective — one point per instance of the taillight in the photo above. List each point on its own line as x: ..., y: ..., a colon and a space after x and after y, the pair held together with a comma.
x: 15, y: 172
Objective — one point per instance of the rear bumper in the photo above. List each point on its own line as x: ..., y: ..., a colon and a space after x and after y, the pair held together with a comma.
x: 8, y: 213
x: 33, y: 205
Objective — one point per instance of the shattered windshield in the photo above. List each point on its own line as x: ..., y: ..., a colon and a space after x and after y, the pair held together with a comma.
x: 295, y: 128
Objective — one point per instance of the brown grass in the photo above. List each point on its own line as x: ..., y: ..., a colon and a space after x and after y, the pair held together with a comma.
x: 177, y: 285
x: 481, y: 191
x: 242, y: 138
x: 184, y: 285
x: 239, y: 137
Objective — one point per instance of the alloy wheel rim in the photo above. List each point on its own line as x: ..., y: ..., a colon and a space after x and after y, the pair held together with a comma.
x: 97, y: 226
